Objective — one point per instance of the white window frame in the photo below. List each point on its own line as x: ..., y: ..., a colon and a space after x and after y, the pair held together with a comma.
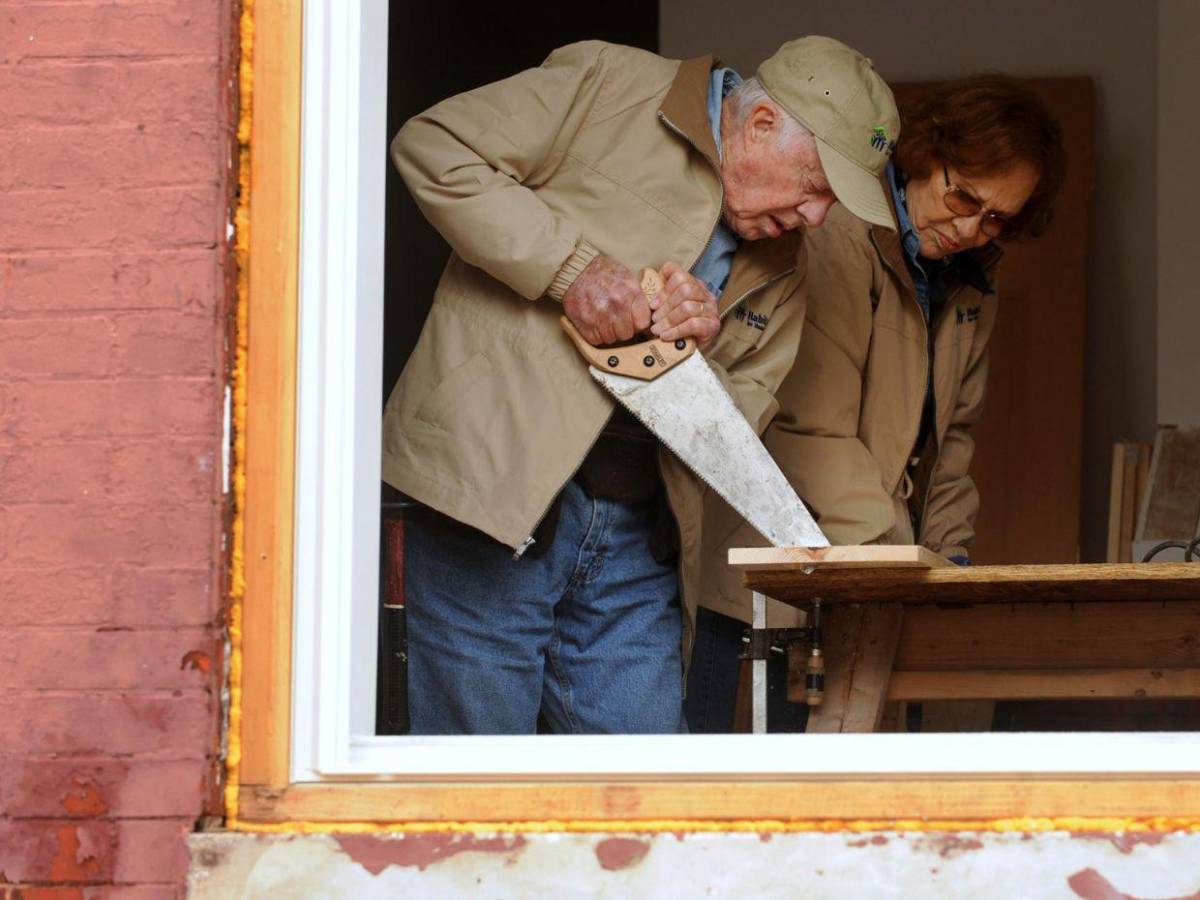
x: 337, y: 516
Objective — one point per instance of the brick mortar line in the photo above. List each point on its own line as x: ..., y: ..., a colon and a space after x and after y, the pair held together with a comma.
x: 49, y: 251
x: 115, y: 60
x: 87, y: 629
x: 113, y: 192
x: 100, y: 253
x: 157, y: 693
x: 111, y: 187
x: 66, y: 314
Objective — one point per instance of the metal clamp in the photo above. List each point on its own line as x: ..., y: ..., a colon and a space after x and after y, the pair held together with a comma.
x: 759, y: 642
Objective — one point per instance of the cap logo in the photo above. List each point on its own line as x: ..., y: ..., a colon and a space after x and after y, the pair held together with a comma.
x: 879, y: 140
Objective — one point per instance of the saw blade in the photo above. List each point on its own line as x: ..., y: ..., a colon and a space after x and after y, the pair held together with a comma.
x: 690, y: 411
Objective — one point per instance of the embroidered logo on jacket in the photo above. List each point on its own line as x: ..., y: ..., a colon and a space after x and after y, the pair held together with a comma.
x: 753, y: 319
x: 967, y: 314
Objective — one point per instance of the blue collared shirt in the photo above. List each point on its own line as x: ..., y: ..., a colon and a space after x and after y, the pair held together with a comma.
x: 920, y: 270
x: 715, y: 262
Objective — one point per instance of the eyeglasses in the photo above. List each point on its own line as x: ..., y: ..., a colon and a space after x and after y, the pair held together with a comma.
x: 961, y: 203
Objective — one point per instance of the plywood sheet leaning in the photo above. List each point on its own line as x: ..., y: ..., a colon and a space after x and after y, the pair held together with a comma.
x: 1170, y: 509
x: 1127, y: 489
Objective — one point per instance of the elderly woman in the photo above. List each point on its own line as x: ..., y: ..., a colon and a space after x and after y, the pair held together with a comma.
x: 874, y: 423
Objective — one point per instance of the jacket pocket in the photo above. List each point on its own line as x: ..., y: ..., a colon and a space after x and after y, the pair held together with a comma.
x: 444, y: 404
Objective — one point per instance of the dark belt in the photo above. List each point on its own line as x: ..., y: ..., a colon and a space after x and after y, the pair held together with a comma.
x: 623, y: 463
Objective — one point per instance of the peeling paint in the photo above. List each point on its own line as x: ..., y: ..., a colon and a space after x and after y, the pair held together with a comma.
x: 376, y: 853
x: 621, y: 853
x: 1091, y: 885
x: 197, y: 661
x: 948, y: 846
x: 235, y: 444
x: 76, y: 858
x: 877, y: 840
x: 1124, y: 841
x: 87, y: 801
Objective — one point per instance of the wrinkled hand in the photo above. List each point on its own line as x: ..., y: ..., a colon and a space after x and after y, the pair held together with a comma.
x: 606, y: 303
x: 685, y: 308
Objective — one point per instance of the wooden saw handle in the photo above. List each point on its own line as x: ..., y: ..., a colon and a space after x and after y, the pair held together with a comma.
x: 645, y: 359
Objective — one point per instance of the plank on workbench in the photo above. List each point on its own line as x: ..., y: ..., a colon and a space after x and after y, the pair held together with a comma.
x: 872, y: 556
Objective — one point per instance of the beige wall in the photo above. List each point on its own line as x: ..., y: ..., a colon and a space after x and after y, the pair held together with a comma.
x: 1178, y: 203
x: 1114, y: 42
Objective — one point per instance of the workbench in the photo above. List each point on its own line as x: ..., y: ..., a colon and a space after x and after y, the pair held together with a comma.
x: 901, y: 623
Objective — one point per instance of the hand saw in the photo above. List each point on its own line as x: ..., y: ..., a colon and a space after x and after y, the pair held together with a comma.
x: 670, y: 388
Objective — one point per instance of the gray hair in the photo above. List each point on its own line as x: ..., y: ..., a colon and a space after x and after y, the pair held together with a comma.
x: 748, y: 94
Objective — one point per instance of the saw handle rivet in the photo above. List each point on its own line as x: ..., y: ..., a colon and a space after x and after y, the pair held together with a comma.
x: 680, y: 344
x: 647, y: 361
x: 613, y: 361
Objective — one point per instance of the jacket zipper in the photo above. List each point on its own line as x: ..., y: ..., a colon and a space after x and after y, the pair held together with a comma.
x: 529, y: 541
x: 929, y: 368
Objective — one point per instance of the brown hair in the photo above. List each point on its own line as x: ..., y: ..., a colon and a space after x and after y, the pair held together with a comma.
x: 985, y: 124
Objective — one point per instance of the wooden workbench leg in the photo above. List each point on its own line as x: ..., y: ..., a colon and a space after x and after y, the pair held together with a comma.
x: 860, y: 641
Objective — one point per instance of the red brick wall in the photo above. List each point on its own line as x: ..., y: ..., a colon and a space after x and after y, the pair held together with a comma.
x: 115, y: 129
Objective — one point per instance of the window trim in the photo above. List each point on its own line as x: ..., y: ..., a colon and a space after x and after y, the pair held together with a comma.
x: 263, y: 787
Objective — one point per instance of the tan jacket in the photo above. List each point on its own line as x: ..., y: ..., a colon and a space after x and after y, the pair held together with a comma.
x: 850, y: 409
x: 603, y: 149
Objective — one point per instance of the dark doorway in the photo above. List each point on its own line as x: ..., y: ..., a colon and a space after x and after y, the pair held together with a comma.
x: 439, y: 49
x: 436, y: 50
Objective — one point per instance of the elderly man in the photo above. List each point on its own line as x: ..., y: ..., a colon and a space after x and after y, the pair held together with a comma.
x: 544, y: 572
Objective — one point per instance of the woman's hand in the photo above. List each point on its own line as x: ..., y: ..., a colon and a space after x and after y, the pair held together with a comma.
x: 684, y: 308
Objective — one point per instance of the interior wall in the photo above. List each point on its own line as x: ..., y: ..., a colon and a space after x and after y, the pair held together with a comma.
x: 1178, y: 200
x: 1112, y: 41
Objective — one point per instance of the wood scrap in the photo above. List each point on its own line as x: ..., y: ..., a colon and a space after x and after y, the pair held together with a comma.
x: 1171, y: 508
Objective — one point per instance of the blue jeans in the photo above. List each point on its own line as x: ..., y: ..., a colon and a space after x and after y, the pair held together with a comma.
x: 587, y: 630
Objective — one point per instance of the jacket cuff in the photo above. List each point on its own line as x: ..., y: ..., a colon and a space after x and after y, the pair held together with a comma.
x: 583, y: 254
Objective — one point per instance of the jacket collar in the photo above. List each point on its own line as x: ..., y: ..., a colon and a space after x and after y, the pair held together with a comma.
x: 685, y: 108
x: 757, y: 263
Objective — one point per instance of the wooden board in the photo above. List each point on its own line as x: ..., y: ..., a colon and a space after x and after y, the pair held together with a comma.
x: 1043, y: 684
x: 859, y: 648
x: 270, y: 332
x: 782, y: 559
x: 1127, y: 492
x: 907, y: 799
x: 1144, y: 582
x: 1051, y: 636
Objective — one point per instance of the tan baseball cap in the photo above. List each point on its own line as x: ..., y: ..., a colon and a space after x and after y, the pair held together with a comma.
x: 834, y: 92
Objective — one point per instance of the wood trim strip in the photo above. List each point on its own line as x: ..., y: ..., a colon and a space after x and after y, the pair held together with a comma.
x: 269, y: 466
x: 915, y: 799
